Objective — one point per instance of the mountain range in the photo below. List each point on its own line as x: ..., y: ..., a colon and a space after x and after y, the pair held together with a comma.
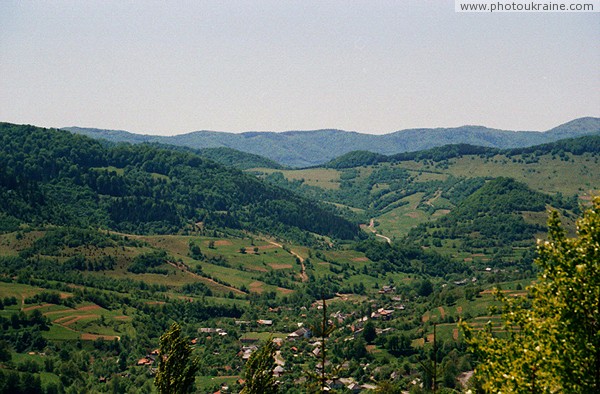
x: 311, y: 148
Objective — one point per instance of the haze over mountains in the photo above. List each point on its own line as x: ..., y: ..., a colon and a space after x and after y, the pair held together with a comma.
x: 310, y: 148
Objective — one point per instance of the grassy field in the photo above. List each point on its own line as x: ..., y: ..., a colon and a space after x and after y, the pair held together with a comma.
x: 325, y: 178
x: 578, y: 175
x: 18, y: 290
x: 399, y: 221
x: 207, y: 382
x: 85, y: 321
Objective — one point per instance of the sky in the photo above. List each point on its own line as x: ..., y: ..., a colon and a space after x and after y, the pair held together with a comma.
x: 373, y: 66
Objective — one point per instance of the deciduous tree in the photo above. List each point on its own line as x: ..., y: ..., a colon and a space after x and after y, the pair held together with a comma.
x: 552, y: 345
x: 259, y: 371
x: 176, y: 369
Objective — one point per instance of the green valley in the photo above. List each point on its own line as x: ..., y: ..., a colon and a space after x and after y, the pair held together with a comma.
x: 104, y: 245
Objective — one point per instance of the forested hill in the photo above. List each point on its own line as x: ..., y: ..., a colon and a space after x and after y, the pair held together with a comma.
x: 226, y: 156
x: 55, y: 177
x: 310, y: 148
x: 238, y: 159
x: 577, y: 146
x: 493, y: 217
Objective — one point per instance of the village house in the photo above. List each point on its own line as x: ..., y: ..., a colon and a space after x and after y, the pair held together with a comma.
x: 209, y: 330
x: 247, y: 351
x: 380, y: 331
x: 340, y: 317
x: 279, y: 358
x: 387, y: 289
x: 149, y: 358
x: 357, y: 333
x: 300, y: 333
x: 381, y: 313
x: 145, y: 361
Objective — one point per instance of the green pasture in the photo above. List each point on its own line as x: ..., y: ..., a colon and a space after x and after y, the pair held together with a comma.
x: 18, y: 290
x: 398, y: 222
x: 325, y: 178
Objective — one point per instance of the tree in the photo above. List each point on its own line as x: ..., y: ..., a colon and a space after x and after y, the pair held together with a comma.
x: 369, y: 332
x: 5, y: 354
x: 259, y: 371
x: 425, y: 288
x: 176, y: 371
x: 553, y: 345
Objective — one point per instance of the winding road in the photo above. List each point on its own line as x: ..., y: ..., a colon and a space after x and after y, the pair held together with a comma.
x: 372, y: 228
x: 300, y: 258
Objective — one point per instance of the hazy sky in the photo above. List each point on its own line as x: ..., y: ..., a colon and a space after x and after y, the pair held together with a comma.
x: 172, y: 67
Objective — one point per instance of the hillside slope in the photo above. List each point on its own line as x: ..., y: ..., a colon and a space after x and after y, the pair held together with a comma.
x: 53, y: 176
x: 402, y: 191
x: 577, y: 146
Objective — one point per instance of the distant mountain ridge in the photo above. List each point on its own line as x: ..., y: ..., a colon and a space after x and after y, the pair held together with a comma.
x: 310, y: 148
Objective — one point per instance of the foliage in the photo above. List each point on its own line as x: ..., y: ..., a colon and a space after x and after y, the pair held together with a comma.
x: 149, y: 262
x: 235, y: 158
x: 407, y: 258
x: 355, y: 159
x: 176, y: 371
x: 52, y: 176
x: 553, y: 345
x: 576, y: 146
x: 259, y: 370
x: 491, y: 216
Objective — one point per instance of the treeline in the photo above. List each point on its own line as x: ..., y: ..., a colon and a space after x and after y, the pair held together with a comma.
x: 235, y: 158
x: 52, y: 176
x: 408, y: 258
x: 226, y: 156
x: 575, y: 146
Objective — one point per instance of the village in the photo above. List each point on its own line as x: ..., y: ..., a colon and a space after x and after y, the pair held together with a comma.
x: 300, y: 348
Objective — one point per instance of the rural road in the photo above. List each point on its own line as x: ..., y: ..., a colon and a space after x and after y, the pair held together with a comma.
x: 372, y: 228
x: 300, y: 258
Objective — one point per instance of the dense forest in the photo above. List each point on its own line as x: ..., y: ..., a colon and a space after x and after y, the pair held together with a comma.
x: 52, y: 176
